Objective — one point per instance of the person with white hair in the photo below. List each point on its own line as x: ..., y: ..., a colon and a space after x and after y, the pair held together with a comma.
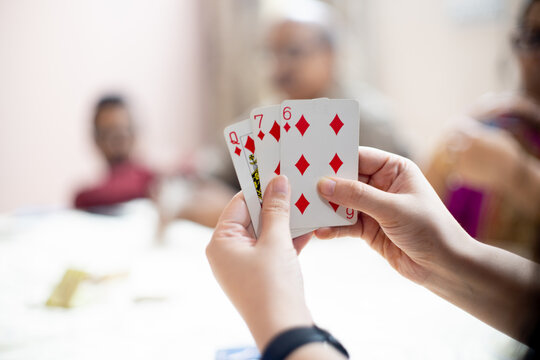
x: 302, y: 39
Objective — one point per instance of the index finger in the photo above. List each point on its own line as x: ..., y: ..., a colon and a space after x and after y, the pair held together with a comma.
x: 371, y: 160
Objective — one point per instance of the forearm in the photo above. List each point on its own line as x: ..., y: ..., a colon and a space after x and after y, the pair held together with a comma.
x: 265, y: 329
x: 495, y: 286
x: 266, y: 320
x: 266, y: 325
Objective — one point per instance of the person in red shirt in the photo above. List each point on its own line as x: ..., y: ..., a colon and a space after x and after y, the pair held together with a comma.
x: 114, y: 135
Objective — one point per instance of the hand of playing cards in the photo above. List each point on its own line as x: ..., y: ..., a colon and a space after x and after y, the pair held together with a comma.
x: 304, y: 140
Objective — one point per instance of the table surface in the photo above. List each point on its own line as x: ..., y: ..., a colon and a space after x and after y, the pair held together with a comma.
x: 350, y: 290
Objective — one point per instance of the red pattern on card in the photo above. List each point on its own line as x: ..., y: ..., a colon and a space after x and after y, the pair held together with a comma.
x: 237, y: 151
x: 250, y: 144
x: 261, y: 135
x: 278, y: 171
x: 302, y: 164
x: 336, y: 163
x: 336, y: 124
x: 334, y: 206
x: 286, y: 127
x: 274, y: 131
x: 302, y: 125
x: 302, y: 203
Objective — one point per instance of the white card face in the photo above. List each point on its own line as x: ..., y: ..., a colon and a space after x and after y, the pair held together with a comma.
x: 242, y: 149
x: 318, y: 138
x: 266, y: 133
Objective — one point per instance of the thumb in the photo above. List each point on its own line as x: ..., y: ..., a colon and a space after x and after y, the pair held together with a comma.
x: 275, y: 211
x: 358, y: 196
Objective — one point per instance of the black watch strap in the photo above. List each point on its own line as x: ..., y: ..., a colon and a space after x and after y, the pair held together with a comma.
x: 288, y: 341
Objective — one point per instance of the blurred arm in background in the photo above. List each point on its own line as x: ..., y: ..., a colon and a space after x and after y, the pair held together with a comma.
x: 190, y: 195
x: 488, y: 158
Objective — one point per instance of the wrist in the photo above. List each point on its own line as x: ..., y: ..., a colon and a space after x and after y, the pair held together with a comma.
x: 289, y: 344
x: 265, y: 325
x: 456, y: 251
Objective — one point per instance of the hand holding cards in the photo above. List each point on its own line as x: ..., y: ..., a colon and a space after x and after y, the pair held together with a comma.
x: 304, y: 140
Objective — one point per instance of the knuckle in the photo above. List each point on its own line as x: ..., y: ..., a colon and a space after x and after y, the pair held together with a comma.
x: 354, y: 192
x: 409, y: 164
x: 276, y: 206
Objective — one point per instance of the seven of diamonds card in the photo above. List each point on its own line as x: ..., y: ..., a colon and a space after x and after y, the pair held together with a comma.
x: 266, y: 132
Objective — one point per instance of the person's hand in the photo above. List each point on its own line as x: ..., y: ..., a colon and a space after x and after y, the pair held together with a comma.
x: 261, y: 276
x: 483, y: 157
x: 400, y: 215
x: 207, y: 200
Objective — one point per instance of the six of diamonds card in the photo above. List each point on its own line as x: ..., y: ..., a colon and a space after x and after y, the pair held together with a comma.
x: 304, y: 140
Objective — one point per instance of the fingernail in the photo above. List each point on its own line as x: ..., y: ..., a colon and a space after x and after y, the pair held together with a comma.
x: 280, y: 185
x: 327, y: 186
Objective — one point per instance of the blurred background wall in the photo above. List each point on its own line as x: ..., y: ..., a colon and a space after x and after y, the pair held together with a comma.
x: 191, y: 67
x: 58, y: 56
x: 433, y: 59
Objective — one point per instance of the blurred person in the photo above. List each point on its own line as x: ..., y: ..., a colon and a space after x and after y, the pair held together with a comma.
x: 401, y: 217
x: 303, y: 46
x: 482, y: 170
x: 115, y: 136
x: 185, y: 194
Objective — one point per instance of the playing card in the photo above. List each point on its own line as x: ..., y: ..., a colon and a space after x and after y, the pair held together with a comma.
x: 242, y: 149
x: 318, y: 138
x: 266, y: 133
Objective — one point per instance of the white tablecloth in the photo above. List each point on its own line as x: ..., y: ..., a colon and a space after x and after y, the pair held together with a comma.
x: 350, y: 289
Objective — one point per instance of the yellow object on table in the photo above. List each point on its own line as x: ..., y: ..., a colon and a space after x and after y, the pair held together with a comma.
x: 64, y: 292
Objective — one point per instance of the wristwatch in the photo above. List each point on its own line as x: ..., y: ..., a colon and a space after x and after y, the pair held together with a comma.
x: 288, y: 341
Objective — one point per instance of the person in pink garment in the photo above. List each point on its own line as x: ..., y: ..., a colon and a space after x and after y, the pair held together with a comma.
x: 114, y: 135
x: 478, y: 169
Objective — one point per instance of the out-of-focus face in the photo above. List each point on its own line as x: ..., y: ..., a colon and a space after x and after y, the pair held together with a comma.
x: 303, y: 63
x: 114, y: 134
x: 528, y: 51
